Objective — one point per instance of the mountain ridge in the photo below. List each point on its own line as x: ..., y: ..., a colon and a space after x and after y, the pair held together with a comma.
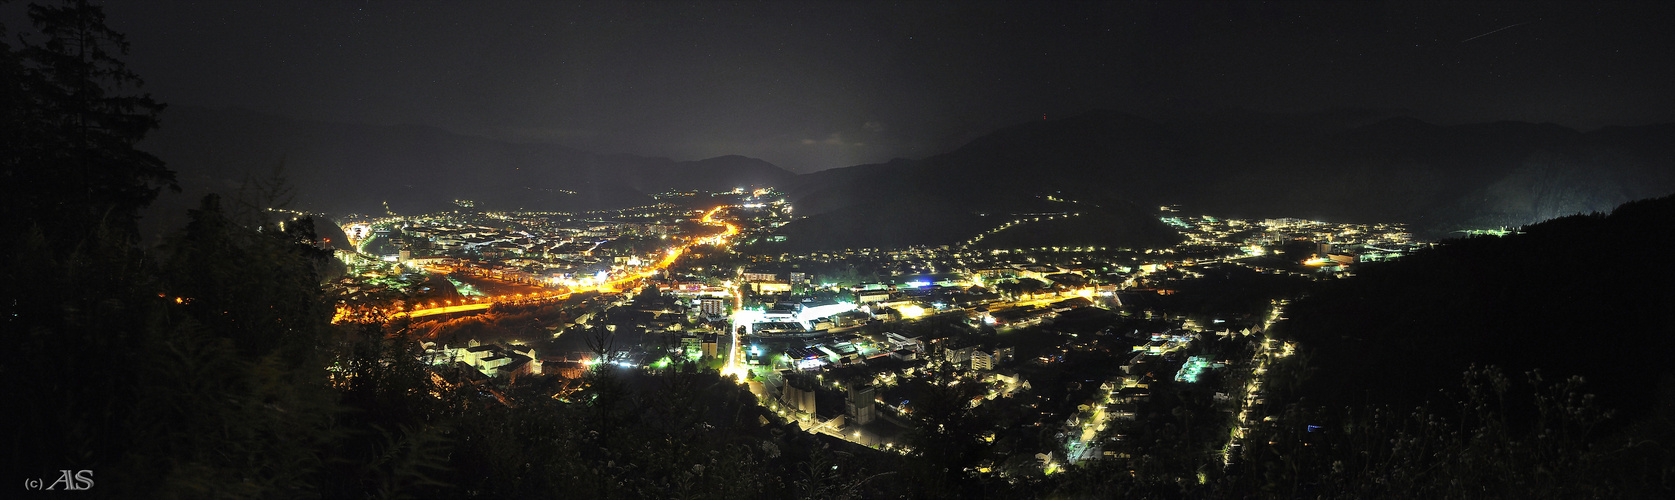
x: 215, y: 149
x: 1352, y: 166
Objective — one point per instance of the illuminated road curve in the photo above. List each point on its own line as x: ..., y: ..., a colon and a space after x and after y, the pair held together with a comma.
x: 451, y: 309
x: 669, y: 258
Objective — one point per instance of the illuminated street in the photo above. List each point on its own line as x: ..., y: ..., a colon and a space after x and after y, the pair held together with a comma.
x: 628, y: 279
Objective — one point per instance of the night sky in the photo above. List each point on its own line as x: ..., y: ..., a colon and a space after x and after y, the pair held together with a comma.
x: 810, y: 86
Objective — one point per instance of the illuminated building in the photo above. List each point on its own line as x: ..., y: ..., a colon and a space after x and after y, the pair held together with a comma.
x: 872, y: 296
x: 755, y: 275
x: 959, y: 355
x: 712, y: 306
x: 710, y: 343
x: 860, y: 406
x: 798, y: 394
x: 763, y: 287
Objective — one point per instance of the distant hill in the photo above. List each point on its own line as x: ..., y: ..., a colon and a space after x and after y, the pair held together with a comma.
x: 1091, y: 161
x: 1094, y: 157
x: 338, y: 167
x: 1582, y: 295
x: 1359, y: 166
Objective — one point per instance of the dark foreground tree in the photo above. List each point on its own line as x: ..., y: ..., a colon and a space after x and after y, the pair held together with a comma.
x: 1501, y: 439
x: 72, y: 164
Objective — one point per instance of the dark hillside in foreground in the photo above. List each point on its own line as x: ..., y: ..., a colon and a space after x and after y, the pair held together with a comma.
x: 1585, y: 295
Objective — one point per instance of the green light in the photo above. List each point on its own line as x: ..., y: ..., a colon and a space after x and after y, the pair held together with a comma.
x: 1194, y: 366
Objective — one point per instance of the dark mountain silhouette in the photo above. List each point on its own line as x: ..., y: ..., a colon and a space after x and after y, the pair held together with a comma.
x: 1347, y: 165
x: 339, y: 167
x: 1100, y: 155
x: 1097, y: 162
